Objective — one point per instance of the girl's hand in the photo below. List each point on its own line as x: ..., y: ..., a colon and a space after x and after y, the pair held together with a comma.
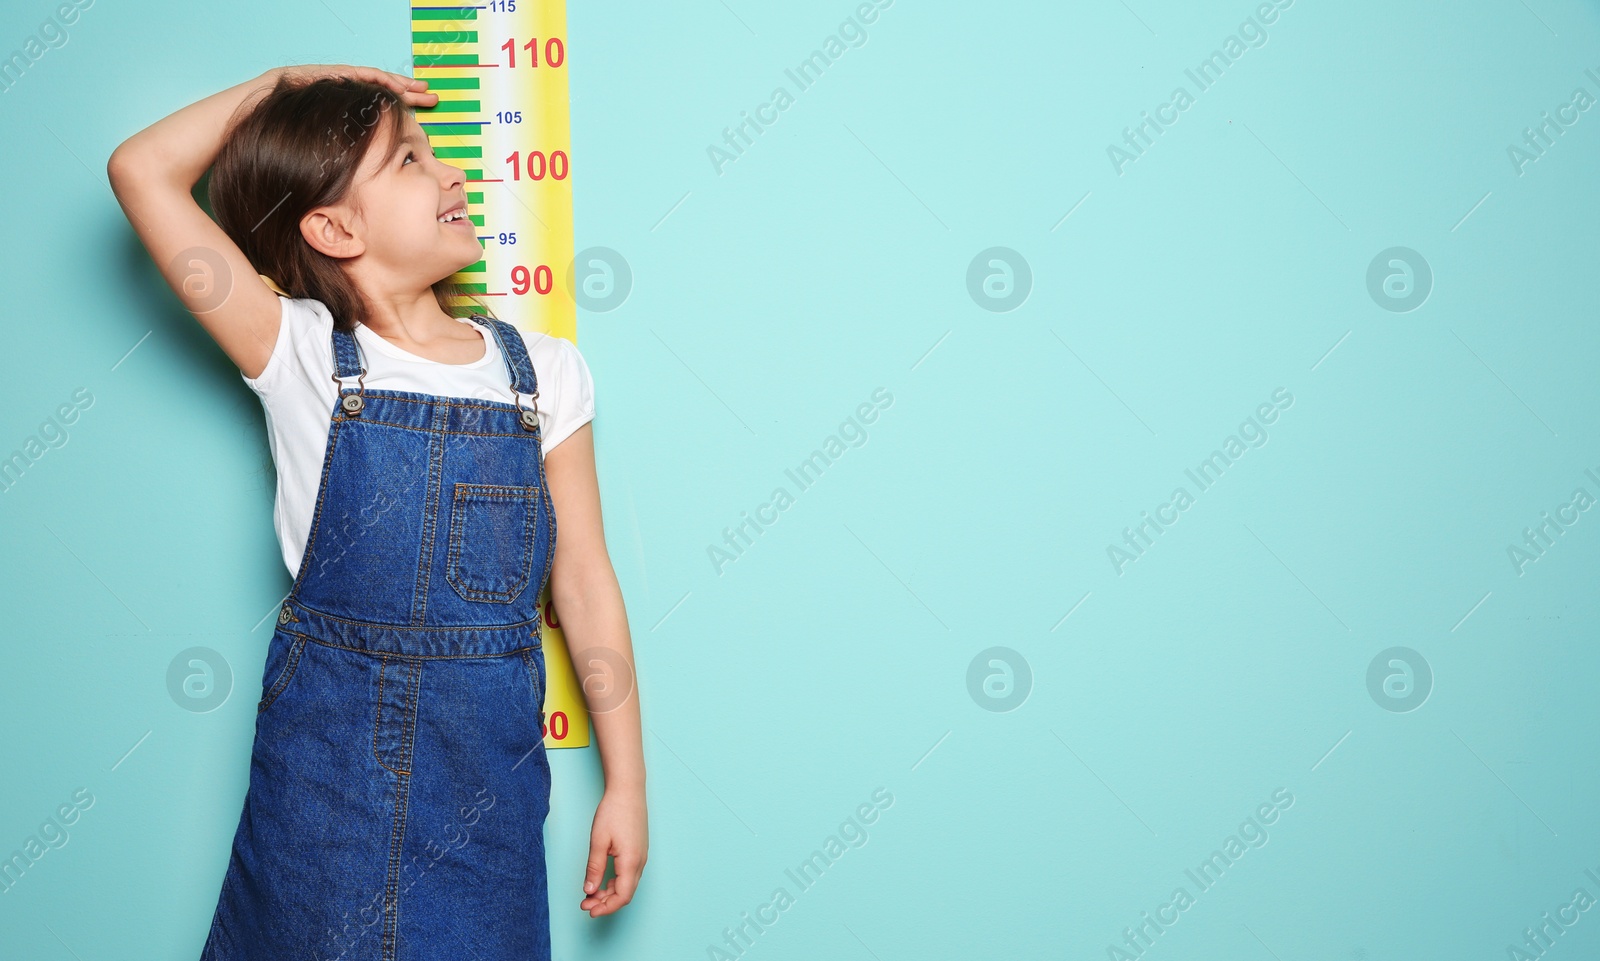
x: 411, y: 91
x: 621, y: 832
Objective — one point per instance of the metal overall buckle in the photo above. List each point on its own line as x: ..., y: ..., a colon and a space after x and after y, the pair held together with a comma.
x: 352, y: 404
x: 530, y: 418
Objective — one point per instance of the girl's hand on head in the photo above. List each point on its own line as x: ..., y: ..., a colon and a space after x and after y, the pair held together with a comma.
x: 411, y: 91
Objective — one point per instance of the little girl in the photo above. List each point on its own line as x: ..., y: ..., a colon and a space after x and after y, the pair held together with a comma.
x: 398, y: 777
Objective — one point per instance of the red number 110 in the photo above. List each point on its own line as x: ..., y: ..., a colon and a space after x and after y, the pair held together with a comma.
x: 555, y: 53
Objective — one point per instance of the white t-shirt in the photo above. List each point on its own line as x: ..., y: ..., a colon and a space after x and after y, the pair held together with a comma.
x: 297, y: 391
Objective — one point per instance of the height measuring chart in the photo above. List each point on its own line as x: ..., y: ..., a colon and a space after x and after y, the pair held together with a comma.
x: 500, y: 72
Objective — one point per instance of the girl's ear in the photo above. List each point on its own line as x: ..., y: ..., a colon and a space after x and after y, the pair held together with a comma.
x: 327, y: 230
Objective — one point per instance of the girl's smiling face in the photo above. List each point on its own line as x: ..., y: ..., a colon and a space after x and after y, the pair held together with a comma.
x: 391, y: 225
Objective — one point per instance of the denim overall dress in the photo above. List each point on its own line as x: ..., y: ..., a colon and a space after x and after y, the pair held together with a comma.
x: 398, y: 778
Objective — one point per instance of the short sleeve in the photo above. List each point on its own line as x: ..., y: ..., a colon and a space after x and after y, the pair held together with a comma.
x: 304, y: 329
x: 574, y: 393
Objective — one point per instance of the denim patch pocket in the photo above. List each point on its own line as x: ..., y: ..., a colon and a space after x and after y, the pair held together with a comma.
x: 282, y: 660
x: 492, y: 541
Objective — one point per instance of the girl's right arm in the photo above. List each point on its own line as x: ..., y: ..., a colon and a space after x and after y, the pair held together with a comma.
x: 153, y: 174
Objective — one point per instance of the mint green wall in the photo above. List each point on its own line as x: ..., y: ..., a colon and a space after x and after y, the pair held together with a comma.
x: 1336, y: 629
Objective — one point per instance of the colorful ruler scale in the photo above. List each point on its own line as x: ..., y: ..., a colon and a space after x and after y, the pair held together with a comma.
x: 499, y: 69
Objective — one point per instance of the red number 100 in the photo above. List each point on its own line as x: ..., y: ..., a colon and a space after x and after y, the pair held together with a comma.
x: 556, y: 165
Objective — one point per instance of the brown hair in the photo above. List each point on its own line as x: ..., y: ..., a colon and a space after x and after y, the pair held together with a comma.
x: 294, y: 150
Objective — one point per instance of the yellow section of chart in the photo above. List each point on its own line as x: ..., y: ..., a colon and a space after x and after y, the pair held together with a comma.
x: 503, y: 116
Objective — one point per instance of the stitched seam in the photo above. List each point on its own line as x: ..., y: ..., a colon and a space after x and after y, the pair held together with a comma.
x: 438, y: 430
x: 378, y: 722
x: 285, y: 675
x: 505, y: 491
x: 550, y: 521
x: 454, y: 552
x: 538, y: 678
x: 416, y: 657
x: 375, y: 417
x: 501, y: 337
x: 402, y: 799
x: 533, y: 675
x: 419, y: 606
x: 465, y: 493
x: 406, y: 627
x: 322, y: 495
x: 409, y: 732
x: 518, y: 359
